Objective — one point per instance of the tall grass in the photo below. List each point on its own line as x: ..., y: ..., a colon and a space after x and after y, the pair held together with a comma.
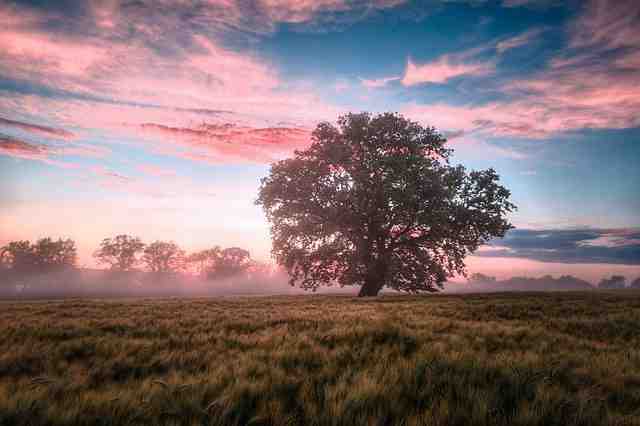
x: 548, y: 359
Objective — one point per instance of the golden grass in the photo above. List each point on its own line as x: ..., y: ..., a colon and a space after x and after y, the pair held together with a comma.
x: 547, y: 359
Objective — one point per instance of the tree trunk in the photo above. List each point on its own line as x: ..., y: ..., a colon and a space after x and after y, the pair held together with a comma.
x: 374, y: 281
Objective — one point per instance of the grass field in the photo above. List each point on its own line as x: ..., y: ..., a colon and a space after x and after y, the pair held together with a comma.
x: 511, y: 359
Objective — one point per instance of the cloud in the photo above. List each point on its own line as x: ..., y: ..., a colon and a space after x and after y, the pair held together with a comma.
x: 164, y: 62
x: 519, y: 119
x: 613, y: 246
x: 20, y: 149
x: 519, y: 40
x: 228, y: 142
x: 110, y: 67
x: 37, y: 129
x: 594, y: 83
x: 377, y: 83
x: 607, y: 24
x: 443, y: 69
x: 530, y: 3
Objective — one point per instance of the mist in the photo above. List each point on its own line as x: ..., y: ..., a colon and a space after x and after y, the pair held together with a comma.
x: 100, y: 283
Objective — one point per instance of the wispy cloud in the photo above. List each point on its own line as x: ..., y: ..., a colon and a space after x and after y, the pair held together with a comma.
x: 378, y: 82
x: 228, y: 142
x: 519, y: 40
x: 20, y: 149
x: 530, y: 3
x: 37, y: 129
x: 443, y: 69
x: 594, y: 88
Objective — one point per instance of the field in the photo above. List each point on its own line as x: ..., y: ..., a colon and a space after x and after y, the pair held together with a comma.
x: 510, y: 359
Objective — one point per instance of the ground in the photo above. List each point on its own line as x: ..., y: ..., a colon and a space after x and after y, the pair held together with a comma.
x: 511, y: 359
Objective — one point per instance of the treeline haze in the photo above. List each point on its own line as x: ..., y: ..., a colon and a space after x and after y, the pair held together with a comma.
x: 48, y: 268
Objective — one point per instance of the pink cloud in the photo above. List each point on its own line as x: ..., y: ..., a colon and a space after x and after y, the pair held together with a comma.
x: 517, y: 41
x: 377, y: 83
x: 132, y: 72
x: 176, y: 91
x: 83, y: 150
x: 607, y: 23
x: 442, y: 69
x: 526, y: 3
x: 20, y: 149
x: 17, y: 148
x: 37, y: 129
x: 597, y: 88
x: 306, y: 11
x: 229, y: 142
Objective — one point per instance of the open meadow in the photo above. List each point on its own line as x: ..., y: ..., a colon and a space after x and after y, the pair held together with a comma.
x: 510, y: 359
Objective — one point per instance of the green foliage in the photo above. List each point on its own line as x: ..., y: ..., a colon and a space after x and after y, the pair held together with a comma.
x: 120, y: 252
x: 501, y: 359
x: 374, y: 202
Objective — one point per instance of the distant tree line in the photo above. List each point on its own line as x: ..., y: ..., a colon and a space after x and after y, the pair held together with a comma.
x: 612, y: 283
x: 124, y: 253
x: 45, y: 255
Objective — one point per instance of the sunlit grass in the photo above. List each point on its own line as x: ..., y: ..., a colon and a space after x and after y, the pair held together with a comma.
x: 552, y: 359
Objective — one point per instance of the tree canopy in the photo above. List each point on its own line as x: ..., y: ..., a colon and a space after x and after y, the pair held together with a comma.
x: 615, y: 282
x: 164, y: 257
x: 216, y: 263
x: 120, y: 252
x: 44, y: 255
x: 375, y: 202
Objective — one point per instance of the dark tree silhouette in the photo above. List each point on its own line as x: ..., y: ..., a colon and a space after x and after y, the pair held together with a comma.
x: 217, y: 263
x: 635, y: 283
x: 232, y: 261
x: 119, y: 252
x: 478, y: 278
x: 164, y: 257
x: 53, y: 255
x: 204, y: 260
x: 44, y: 256
x: 19, y: 256
x: 615, y: 282
x: 375, y: 203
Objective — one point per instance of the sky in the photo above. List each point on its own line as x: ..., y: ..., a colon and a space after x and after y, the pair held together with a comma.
x: 159, y: 118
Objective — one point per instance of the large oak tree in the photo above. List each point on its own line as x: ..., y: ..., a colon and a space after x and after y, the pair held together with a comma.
x: 375, y: 202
